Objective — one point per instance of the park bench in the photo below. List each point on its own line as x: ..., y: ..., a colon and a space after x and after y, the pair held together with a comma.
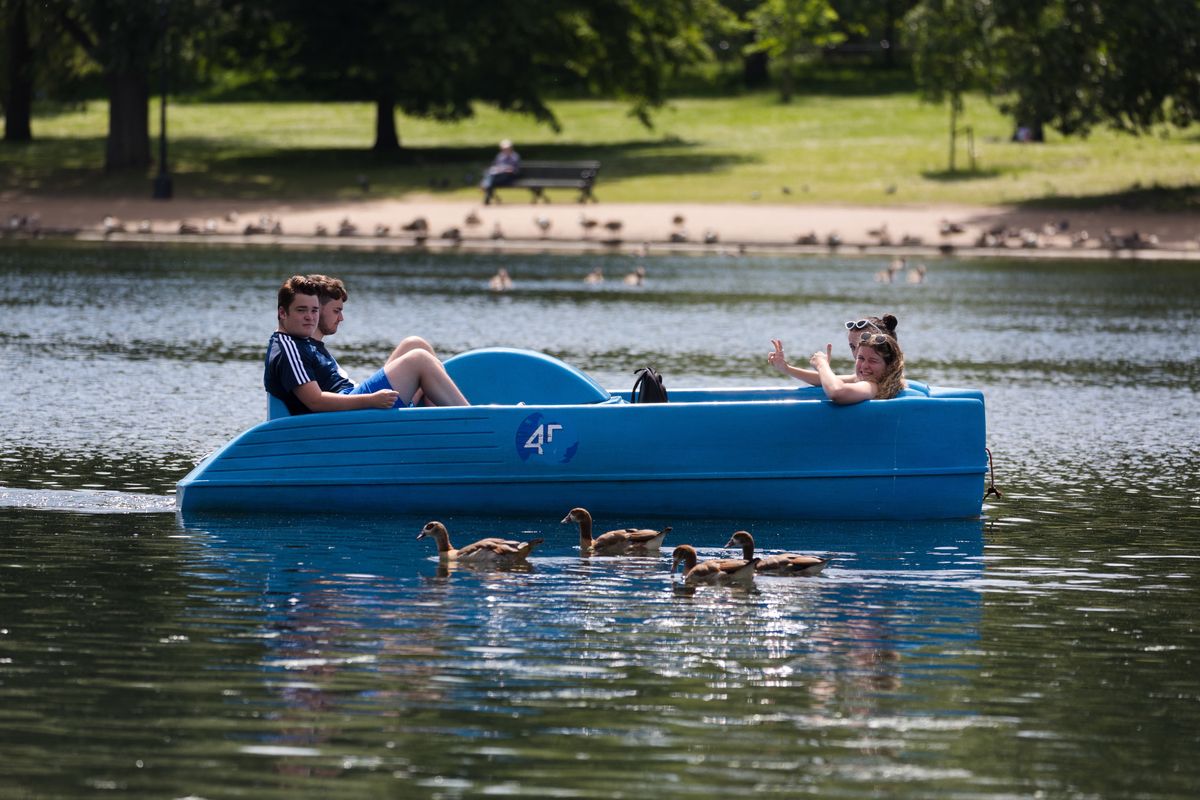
x: 538, y: 176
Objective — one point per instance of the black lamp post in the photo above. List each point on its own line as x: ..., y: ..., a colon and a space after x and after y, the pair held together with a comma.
x: 162, y: 181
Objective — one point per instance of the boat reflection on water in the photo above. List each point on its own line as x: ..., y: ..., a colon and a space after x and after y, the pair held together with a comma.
x: 288, y: 551
x: 357, y: 615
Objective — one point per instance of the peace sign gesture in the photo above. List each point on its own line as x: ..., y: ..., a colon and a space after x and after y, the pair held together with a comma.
x: 776, y: 358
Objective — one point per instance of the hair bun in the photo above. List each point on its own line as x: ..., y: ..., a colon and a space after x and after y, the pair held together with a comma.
x: 890, y: 322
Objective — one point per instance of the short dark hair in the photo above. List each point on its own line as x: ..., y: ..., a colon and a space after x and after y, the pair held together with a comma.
x: 329, y: 288
x: 297, y: 284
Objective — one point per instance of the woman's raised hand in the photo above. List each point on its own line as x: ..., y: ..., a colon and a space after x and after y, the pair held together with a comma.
x: 818, y: 356
x: 776, y: 358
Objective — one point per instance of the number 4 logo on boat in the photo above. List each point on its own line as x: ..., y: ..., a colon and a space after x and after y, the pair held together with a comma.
x: 541, y: 436
x: 545, y: 441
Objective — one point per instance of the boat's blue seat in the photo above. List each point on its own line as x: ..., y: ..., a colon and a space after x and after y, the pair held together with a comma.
x: 276, y: 408
x: 507, y: 376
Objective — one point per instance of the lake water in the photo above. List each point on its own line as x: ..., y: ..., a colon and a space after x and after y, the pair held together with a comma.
x: 1051, y: 649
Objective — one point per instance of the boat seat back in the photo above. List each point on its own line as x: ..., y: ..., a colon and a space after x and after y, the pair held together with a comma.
x: 507, y: 376
x: 276, y: 408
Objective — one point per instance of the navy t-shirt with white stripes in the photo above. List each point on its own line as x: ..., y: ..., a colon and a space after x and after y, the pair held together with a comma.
x: 293, y: 361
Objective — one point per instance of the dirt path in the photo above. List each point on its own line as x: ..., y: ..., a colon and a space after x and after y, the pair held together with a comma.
x: 650, y: 227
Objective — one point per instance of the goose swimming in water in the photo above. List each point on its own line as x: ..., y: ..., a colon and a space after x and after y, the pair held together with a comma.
x: 488, y: 551
x: 789, y: 564
x: 717, y: 571
x: 501, y: 281
x: 630, y: 541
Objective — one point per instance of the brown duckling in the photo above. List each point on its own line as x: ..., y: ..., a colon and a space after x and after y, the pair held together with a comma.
x: 488, y: 551
x: 719, y: 571
x: 784, y: 564
x: 614, y: 543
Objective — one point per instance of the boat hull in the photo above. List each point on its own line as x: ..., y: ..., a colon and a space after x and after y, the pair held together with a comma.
x: 757, y: 453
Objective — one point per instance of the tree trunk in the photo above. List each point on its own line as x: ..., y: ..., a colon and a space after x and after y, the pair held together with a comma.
x: 786, y: 79
x: 386, y: 138
x: 754, y: 71
x: 128, y: 121
x: 18, y: 105
x: 953, y: 129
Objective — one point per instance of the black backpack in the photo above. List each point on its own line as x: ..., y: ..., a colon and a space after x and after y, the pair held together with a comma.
x: 648, y: 388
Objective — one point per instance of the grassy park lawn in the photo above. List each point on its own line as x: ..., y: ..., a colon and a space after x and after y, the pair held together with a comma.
x: 821, y: 148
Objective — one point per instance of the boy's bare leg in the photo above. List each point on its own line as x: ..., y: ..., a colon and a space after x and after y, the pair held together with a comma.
x: 407, y: 345
x: 420, y: 370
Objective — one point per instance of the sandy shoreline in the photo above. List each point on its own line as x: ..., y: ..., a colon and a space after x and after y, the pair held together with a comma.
x: 635, y: 227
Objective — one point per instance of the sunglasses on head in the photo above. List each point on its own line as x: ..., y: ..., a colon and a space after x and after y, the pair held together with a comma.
x: 874, y: 339
x: 859, y: 324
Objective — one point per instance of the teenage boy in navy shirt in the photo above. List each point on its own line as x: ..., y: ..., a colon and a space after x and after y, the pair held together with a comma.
x: 333, y: 296
x: 302, y: 373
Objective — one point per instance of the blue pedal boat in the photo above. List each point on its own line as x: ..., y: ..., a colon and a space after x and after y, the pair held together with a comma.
x: 542, y: 437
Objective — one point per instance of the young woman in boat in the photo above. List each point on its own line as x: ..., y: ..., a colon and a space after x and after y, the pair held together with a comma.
x: 854, y: 328
x: 878, y: 371
x: 302, y: 373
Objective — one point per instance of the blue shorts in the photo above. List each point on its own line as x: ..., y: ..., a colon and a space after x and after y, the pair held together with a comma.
x: 375, y: 383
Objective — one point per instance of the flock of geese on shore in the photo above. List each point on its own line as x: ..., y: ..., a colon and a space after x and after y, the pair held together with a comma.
x: 501, y: 553
x: 1053, y: 233
x: 999, y: 236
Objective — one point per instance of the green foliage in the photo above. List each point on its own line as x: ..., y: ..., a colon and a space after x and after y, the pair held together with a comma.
x: 437, y: 59
x: 786, y: 30
x: 951, y: 54
x: 790, y: 27
x: 1071, y: 64
x: 950, y: 49
x: 1076, y: 64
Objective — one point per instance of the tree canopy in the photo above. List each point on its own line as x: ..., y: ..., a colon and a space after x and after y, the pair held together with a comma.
x: 1069, y: 64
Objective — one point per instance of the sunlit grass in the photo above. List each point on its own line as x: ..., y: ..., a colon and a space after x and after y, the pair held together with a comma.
x: 882, y: 149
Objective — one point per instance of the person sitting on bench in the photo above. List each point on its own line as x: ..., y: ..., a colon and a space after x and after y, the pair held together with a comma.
x: 504, y: 169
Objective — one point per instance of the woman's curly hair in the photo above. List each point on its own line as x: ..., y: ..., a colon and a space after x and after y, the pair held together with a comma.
x: 891, y: 383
